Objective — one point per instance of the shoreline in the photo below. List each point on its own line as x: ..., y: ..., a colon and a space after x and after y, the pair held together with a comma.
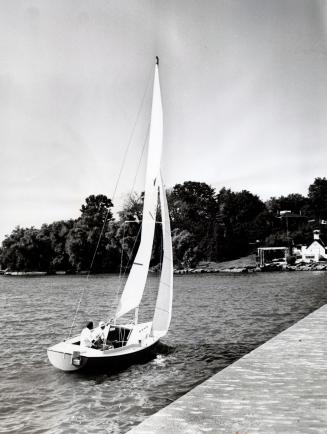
x: 248, y: 264
x: 245, y: 270
x: 186, y: 271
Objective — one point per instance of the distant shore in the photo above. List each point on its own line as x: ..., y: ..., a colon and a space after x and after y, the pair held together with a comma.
x: 248, y: 264
x: 245, y: 264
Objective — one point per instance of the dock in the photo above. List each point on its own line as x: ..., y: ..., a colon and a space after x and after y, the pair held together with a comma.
x: 280, y: 387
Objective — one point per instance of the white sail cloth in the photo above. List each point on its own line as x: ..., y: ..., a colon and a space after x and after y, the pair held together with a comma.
x: 162, y: 313
x: 135, y: 283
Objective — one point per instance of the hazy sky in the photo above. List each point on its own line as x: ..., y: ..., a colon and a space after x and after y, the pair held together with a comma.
x: 244, y: 86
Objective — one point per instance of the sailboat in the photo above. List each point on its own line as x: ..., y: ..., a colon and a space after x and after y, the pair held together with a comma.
x: 134, y: 341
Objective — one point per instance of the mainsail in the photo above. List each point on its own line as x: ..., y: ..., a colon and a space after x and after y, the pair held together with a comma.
x: 162, y: 313
x: 135, y: 283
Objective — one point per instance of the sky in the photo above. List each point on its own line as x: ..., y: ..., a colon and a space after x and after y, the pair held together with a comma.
x: 244, y: 90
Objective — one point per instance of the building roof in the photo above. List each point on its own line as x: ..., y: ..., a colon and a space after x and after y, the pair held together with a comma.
x: 319, y: 242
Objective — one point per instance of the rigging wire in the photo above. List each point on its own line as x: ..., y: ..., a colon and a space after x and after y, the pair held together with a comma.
x: 113, y: 197
x: 122, y: 275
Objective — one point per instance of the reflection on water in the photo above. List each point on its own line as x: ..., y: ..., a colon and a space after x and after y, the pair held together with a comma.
x: 216, y: 320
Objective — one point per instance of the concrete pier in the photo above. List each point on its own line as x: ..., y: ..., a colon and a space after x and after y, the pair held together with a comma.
x: 280, y: 387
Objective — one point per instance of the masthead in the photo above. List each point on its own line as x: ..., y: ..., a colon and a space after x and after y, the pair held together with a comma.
x: 157, y: 60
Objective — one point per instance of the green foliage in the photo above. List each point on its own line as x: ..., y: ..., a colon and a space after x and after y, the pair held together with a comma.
x: 296, y: 203
x: 111, y: 260
x: 318, y: 197
x: 239, y: 214
x: 205, y: 226
x: 25, y: 250
x: 239, y: 207
x: 132, y: 208
x: 57, y: 233
x: 85, y: 237
x: 192, y: 205
x: 185, y: 248
x: 193, y: 208
x: 129, y: 227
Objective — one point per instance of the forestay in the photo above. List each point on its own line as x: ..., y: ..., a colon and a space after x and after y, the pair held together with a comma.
x: 135, y: 283
x: 162, y: 313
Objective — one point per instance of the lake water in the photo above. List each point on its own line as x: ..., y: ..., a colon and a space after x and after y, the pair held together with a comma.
x: 216, y: 320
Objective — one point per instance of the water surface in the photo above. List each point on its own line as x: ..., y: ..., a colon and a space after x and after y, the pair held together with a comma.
x: 216, y: 320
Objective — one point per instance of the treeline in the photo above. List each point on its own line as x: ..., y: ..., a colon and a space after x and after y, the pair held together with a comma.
x: 206, y: 225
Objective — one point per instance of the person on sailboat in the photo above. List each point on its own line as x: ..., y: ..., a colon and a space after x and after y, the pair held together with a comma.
x: 99, y: 336
x: 86, y: 335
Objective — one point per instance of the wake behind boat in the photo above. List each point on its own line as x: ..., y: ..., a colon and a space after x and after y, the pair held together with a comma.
x: 133, y: 341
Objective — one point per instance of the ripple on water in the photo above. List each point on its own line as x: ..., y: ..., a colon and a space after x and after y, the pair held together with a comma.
x: 216, y: 320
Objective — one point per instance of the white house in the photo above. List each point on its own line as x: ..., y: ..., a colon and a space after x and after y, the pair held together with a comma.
x: 316, y: 251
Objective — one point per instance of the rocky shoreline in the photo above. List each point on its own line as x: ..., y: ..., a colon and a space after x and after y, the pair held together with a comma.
x: 315, y: 266
x: 242, y: 265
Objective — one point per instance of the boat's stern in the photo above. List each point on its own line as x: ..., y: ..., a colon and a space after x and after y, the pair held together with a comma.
x: 66, y: 357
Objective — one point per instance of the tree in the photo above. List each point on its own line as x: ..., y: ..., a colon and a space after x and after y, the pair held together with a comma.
x: 11, y: 255
x: 185, y: 250
x: 129, y: 227
x: 26, y: 249
x: 238, y: 213
x: 296, y: 203
x: 263, y: 224
x: 132, y: 208
x: 318, y: 197
x: 193, y: 208
x: 238, y: 207
x: 96, y: 210
x: 111, y: 260
x: 79, y: 250
x: 192, y: 205
x: 57, y: 233
x: 205, y: 226
x: 85, y: 244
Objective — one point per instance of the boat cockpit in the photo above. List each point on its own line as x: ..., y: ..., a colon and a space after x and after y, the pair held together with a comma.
x: 117, y: 336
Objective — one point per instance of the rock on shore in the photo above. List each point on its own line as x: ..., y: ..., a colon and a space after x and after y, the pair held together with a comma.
x: 248, y: 264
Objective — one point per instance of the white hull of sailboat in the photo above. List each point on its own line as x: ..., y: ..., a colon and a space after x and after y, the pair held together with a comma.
x: 70, y: 356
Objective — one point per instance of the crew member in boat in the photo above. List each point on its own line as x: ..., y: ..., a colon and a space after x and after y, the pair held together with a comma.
x: 99, y: 336
x: 86, y: 335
